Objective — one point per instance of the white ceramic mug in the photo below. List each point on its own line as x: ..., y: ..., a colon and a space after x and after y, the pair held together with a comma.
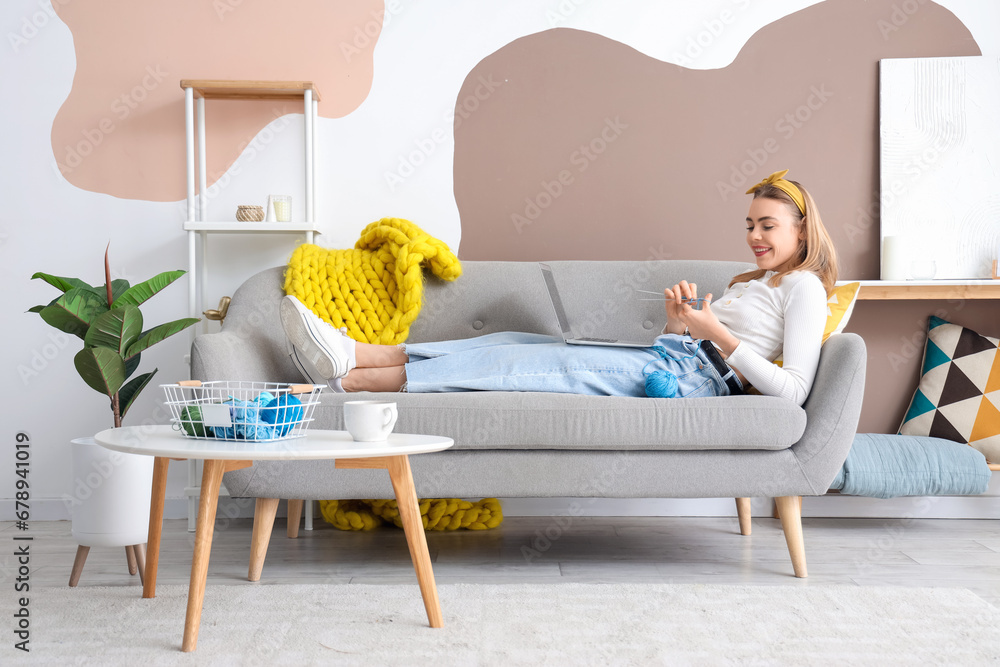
x: 369, y: 421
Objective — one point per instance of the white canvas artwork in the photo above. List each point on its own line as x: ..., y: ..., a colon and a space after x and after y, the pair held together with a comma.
x: 940, y: 167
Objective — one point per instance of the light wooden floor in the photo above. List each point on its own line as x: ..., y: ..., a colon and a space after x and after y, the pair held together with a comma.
x: 865, y: 552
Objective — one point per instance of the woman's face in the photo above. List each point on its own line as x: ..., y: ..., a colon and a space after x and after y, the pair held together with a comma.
x: 772, y: 234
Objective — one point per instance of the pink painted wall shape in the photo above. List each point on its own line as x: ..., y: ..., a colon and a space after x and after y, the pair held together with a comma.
x: 594, y: 150
x: 121, y: 129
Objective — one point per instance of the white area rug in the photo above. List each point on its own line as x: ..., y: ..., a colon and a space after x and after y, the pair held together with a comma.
x: 523, y: 624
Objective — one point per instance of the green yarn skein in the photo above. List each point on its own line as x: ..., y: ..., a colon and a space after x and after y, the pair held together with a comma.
x: 192, y: 423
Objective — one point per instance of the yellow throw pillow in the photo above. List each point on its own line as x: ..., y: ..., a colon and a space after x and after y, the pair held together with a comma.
x: 839, y: 306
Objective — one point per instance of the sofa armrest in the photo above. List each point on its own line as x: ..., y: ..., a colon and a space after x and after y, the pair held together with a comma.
x: 832, y: 410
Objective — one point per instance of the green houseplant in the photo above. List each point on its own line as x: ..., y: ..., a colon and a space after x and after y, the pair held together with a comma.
x: 108, y: 321
x: 111, y: 490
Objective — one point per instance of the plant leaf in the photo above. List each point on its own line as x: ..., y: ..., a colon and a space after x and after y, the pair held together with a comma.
x: 64, y: 284
x: 74, y: 311
x: 116, y: 329
x: 128, y: 393
x: 142, y: 292
x: 156, y: 334
x: 131, y: 364
x: 38, y: 309
x: 118, y: 287
x: 102, y: 369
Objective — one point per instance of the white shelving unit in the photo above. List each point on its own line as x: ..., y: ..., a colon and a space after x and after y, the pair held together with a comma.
x: 199, y: 225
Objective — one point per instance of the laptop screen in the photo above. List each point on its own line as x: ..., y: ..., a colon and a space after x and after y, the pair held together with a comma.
x: 550, y: 285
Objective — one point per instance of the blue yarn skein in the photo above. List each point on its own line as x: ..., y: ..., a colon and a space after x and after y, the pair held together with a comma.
x: 284, y: 412
x: 661, y: 384
x: 247, y: 421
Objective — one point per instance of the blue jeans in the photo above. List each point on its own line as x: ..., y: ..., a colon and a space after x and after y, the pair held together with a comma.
x: 513, y: 361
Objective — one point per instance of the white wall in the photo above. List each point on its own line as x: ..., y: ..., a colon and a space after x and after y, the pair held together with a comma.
x: 48, y: 225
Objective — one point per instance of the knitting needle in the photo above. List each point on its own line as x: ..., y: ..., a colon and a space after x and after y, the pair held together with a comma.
x: 664, y: 296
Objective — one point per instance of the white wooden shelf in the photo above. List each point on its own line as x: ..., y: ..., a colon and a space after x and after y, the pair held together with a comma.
x: 227, y: 227
x: 197, y: 224
x: 901, y: 290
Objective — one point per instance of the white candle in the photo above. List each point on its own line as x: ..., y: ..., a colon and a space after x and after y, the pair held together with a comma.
x: 894, y: 262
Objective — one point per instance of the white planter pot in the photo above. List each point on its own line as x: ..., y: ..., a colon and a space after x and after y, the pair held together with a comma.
x: 110, y: 495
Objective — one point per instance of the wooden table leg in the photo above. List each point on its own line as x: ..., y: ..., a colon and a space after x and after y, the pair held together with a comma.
x: 409, y: 513
x: 160, y: 466
x: 211, y: 479
x: 263, y: 523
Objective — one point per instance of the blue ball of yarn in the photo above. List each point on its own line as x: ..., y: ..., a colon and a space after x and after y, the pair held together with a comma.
x: 661, y: 384
x: 284, y: 412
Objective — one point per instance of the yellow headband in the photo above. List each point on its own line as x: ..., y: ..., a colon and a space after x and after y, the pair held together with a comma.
x: 777, y: 180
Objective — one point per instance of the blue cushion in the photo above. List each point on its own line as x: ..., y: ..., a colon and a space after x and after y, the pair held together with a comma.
x: 887, y: 466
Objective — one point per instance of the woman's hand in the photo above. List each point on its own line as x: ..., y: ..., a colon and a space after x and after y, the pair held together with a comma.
x: 678, y: 298
x: 675, y: 305
x: 700, y: 324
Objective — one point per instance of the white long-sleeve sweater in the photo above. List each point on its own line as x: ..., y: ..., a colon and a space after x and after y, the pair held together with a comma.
x: 770, y: 321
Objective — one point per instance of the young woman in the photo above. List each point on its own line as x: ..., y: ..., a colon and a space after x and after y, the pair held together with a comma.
x: 777, y: 309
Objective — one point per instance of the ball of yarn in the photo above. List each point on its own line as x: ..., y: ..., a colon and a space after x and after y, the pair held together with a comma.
x: 284, y: 412
x: 192, y: 422
x: 661, y: 384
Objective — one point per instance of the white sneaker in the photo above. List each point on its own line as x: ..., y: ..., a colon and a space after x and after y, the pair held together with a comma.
x: 309, y: 371
x: 316, y: 345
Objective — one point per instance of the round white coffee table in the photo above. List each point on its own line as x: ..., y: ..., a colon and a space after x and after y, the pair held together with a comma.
x: 220, y: 456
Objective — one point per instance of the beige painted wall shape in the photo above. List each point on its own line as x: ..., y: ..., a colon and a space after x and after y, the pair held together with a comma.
x: 605, y: 153
x: 120, y: 130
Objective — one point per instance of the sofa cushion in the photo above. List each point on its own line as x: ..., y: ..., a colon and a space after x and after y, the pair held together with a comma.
x: 528, y: 420
x: 888, y: 466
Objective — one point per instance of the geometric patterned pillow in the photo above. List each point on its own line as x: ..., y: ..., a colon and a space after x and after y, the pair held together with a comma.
x: 958, y: 397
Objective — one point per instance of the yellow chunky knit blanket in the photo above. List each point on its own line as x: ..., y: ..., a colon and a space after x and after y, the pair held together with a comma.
x: 376, y: 290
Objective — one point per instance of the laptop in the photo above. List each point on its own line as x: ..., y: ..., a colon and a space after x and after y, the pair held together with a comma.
x: 567, y: 332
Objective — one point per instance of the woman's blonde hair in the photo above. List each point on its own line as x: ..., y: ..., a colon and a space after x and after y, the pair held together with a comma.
x: 816, y: 253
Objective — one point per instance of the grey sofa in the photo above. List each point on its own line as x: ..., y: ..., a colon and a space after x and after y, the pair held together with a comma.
x: 510, y: 444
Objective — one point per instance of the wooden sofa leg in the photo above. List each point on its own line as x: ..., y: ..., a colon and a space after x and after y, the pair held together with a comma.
x: 140, y: 560
x: 81, y: 558
x: 790, y: 510
x: 263, y: 522
x: 294, y: 514
x: 743, y: 512
x: 130, y: 557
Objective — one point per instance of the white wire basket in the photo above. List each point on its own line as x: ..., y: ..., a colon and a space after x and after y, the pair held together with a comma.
x: 245, y: 411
